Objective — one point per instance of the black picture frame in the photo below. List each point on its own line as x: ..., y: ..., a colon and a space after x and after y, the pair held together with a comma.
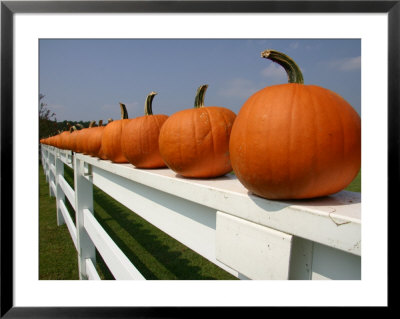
x: 9, y: 8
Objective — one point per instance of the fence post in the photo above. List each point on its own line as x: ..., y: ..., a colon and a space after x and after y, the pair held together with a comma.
x: 59, y: 192
x: 51, y: 174
x: 45, y: 165
x: 83, y: 200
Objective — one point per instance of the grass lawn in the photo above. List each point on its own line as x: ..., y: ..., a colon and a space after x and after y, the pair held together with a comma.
x: 155, y: 254
x: 57, y: 253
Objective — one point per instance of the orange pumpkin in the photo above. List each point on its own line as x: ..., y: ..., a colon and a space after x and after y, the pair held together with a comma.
x: 73, y: 137
x: 100, y: 154
x: 195, y: 142
x: 93, y: 141
x: 140, y: 138
x: 55, y: 139
x: 295, y: 141
x: 111, y: 139
x: 67, y: 138
x: 82, y: 137
x: 64, y: 137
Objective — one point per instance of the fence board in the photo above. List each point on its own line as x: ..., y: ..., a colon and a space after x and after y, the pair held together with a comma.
x: 68, y: 220
x: 119, y: 265
x: 68, y: 191
x: 91, y: 270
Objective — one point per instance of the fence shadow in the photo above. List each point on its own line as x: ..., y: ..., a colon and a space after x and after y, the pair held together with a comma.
x: 141, y: 232
x: 174, y: 262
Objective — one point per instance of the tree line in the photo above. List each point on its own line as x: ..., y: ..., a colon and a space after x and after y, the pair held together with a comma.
x: 48, y: 124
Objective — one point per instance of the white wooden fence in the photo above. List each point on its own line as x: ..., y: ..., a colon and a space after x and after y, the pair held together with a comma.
x: 248, y: 236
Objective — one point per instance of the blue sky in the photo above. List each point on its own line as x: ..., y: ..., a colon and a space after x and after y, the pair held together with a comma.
x: 85, y: 79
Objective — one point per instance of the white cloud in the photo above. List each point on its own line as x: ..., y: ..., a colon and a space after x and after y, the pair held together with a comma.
x: 239, y: 88
x: 352, y: 63
x: 346, y: 64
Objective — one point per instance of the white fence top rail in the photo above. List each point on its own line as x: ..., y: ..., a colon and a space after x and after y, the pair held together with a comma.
x: 334, y: 221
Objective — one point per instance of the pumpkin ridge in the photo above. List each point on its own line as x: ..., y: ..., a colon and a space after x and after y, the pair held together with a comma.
x: 293, y: 103
x: 212, y: 136
x: 194, y: 131
x: 342, y: 130
x: 315, y: 165
x: 332, y: 115
x: 157, y: 120
x: 246, y: 131
x: 180, y: 143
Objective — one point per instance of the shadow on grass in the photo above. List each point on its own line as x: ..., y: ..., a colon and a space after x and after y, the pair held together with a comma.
x: 154, y: 253
x: 147, y: 242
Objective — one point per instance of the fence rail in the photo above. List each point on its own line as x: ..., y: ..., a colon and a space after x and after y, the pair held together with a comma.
x: 248, y: 236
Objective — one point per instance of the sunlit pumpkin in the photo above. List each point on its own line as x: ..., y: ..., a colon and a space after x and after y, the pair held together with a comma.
x: 195, y: 142
x: 73, y: 136
x: 93, y: 141
x: 100, y: 154
x: 295, y: 141
x: 82, y: 138
x: 139, y: 140
x: 111, y: 139
x: 63, y: 138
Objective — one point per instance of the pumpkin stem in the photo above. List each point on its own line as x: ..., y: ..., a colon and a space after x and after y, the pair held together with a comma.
x: 199, y: 100
x: 72, y: 128
x: 92, y: 123
x: 109, y: 120
x: 124, y: 112
x: 79, y: 125
x: 292, y: 69
x: 148, y: 110
x: 101, y: 123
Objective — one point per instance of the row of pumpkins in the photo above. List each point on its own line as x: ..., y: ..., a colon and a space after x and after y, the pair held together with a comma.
x: 288, y: 141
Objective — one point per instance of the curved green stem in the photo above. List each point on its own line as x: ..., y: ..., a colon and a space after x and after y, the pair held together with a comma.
x: 100, y: 122
x: 92, y: 123
x: 148, y: 110
x: 124, y: 112
x: 292, y: 69
x: 199, y: 100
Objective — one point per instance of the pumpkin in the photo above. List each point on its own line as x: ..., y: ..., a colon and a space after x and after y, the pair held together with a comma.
x: 63, y: 138
x: 55, y: 139
x: 195, y: 142
x: 67, y: 138
x: 100, y: 154
x: 295, y: 141
x: 82, y: 137
x: 93, y: 141
x: 111, y: 139
x: 139, y: 140
x: 73, y: 136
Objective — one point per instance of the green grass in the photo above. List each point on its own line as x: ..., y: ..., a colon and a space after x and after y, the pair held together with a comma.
x: 57, y: 253
x: 155, y: 254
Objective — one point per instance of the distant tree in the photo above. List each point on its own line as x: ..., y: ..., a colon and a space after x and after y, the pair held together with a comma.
x: 47, y: 119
